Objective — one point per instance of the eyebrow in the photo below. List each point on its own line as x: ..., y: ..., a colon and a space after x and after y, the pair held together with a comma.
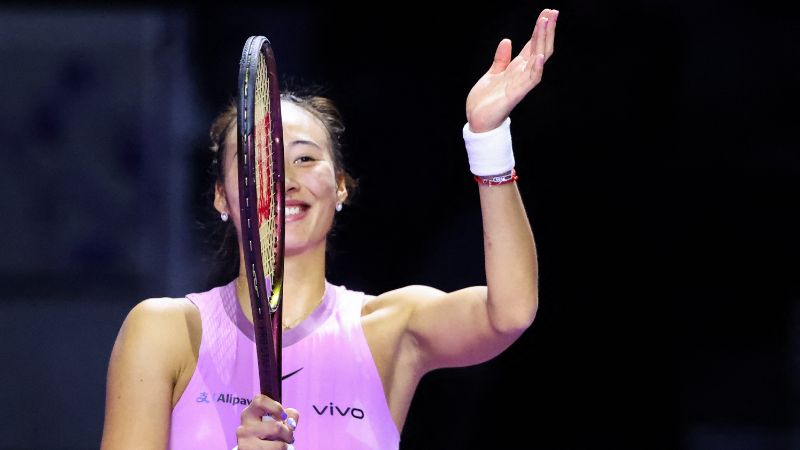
x: 304, y: 142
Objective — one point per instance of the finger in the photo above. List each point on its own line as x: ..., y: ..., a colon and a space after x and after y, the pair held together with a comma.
x: 254, y: 434
x: 528, y: 51
x: 282, y: 429
x: 275, y: 431
x: 540, y: 36
x: 551, y: 33
x: 262, y: 406
x: 537, y: 68
x: 293, y: 419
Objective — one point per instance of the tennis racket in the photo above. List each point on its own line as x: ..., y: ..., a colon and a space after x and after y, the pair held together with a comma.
x: 261, y: 182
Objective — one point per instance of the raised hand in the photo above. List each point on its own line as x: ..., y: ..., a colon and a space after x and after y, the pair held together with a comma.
x: 507, y: 82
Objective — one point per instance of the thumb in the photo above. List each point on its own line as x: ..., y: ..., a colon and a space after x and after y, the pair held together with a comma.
x: 502, y: 57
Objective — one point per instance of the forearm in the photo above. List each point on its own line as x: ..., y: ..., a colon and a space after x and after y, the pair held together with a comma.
x: 509, y: 249
x: 510, y: 259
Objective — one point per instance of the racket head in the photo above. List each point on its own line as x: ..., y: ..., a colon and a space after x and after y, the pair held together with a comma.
x: 261, y: 202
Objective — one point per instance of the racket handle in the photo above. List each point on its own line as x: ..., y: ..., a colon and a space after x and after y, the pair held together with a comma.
x: 270, y: 419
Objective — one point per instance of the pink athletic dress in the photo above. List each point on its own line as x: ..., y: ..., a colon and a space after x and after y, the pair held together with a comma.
x: 328, y: 370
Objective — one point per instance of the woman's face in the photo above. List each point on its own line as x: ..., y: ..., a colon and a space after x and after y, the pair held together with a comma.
x: 312, y: 188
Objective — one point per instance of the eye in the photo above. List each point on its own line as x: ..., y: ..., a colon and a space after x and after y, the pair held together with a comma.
x: 303, y: 159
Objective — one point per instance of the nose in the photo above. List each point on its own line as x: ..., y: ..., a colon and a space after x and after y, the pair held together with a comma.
x: 289, y: 180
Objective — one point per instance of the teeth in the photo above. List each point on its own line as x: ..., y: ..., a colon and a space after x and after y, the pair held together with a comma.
x: 292, y: 210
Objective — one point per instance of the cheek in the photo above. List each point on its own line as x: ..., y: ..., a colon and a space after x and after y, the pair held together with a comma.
x: 323, y: 181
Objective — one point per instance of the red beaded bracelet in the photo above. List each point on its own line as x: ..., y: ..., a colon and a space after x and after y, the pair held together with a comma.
x: 496, y: 180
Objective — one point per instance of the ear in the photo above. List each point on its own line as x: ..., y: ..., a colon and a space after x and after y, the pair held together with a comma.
x: 341, y: 189
x: 220, y: 201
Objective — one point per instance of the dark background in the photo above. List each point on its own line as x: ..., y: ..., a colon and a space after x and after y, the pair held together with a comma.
x: 657, y: 160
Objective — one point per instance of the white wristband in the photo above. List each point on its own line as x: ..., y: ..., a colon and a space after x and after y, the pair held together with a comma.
x: 490, y: 153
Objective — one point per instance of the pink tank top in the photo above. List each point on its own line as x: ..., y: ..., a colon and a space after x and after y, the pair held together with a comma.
x: 329, y: 376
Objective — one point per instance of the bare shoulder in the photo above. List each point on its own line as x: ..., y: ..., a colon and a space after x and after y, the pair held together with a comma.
x: 404, y: 299
x: 163, y: 315
x: 169, y: 326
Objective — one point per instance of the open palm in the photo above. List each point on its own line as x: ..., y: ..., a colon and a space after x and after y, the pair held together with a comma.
x: 507, y: 81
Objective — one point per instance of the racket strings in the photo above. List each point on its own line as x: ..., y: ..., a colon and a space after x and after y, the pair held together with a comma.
x: 265, y: 180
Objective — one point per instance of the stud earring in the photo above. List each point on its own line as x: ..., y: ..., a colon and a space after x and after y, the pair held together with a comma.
x: 224, y: 217
x: 338, y: 206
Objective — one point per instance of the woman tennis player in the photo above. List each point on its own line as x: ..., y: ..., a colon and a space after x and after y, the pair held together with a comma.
x: 183, y: 374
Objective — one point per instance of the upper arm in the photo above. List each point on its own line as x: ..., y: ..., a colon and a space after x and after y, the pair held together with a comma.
x: 454, y: 329
x: 150, y: 351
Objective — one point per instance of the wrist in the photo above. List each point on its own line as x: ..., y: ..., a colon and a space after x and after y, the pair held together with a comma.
x: 490, y: 153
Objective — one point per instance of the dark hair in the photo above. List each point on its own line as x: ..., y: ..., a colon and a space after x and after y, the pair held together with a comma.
x: 223, y: 234
x: 320, y: 107
x: 326, y: 112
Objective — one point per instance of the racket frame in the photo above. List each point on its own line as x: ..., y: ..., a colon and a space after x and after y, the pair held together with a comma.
x: 267, y: 321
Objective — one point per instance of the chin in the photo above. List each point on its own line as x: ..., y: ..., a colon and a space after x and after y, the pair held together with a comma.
x: 293, y: 247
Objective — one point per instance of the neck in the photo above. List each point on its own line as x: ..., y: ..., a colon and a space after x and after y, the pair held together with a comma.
x: 303, y: 286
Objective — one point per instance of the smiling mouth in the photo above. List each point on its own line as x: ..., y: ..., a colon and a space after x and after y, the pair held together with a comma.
x: 293, y: 210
